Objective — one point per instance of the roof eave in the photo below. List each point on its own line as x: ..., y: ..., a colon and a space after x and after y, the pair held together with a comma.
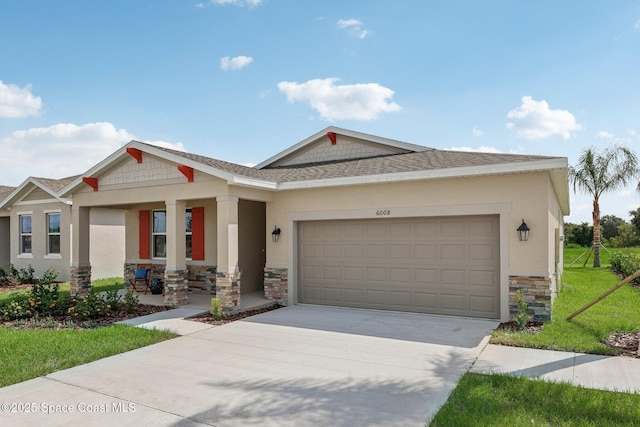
x: 20, y: 190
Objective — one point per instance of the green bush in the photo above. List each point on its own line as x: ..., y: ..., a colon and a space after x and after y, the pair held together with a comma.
x: 45, y: 299
x: 130, y: 301
x: 522, y: 317
x: 216, y: 308
x: 625, y: 262
x: 90, y: 306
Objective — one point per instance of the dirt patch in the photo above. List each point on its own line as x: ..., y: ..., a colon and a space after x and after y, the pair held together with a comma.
x: 626, y: 343
x: 530, y: 328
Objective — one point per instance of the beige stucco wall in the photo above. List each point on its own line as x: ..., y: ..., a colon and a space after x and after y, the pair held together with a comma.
x: 107, y: 243
x: 513, y: 197
x: 39, y: 259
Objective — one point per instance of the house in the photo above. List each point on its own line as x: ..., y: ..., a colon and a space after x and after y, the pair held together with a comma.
x: 5, y: 247
x: 341, y: 218
x: 35, y: 230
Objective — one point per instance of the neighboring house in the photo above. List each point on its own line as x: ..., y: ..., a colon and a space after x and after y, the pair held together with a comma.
x: 363, y: 221
x: 5, y: 244
x: 38, y: 229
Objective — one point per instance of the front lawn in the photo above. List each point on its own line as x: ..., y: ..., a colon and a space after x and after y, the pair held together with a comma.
x: 30, y: 353
x: 499, y: 400
x: 587, y: 332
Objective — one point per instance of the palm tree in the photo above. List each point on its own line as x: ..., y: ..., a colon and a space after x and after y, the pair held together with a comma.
x: 600, y: 173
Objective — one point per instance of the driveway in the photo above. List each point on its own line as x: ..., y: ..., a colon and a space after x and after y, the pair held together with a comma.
x: 296, y: 366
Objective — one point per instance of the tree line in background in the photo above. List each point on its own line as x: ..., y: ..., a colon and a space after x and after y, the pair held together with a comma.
x: 615, y: 231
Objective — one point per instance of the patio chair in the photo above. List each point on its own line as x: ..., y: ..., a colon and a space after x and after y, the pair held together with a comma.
x: 140, y: 281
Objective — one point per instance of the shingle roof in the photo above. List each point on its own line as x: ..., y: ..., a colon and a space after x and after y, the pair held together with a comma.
x: 5, y: 191
x: 397, y: 163
x: 55, y: 185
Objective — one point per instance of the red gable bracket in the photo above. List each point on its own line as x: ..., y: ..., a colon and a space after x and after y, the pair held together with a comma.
x: 91, y: 182
x: 186, y: 171
x: 332, y: 137
x: 137, y: 154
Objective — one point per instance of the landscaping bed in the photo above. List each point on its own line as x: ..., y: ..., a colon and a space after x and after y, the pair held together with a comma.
x: 228, y: 318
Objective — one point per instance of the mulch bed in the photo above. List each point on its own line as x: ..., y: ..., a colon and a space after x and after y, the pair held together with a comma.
x: 8, y: 287
x: 228, y: 318
x: 63, y: 322
x: 531, y: 327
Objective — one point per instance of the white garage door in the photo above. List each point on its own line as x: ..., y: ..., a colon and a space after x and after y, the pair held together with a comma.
x: 443, y: 265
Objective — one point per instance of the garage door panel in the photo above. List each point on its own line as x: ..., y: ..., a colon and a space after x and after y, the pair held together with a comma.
x: 400, y: 275
x: 331, y: 273
x: 354, y: 296
x: 376, y: 274
x: 446, y: 265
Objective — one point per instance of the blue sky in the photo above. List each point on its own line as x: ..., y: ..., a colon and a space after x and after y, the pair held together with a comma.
x: 241, y: 80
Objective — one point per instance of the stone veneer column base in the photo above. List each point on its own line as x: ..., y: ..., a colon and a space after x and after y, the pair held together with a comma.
x: 276, y: 285
x: 536, y: 292
x: 80, y: 280
x: 202, y: 279
x: 175, y: 287
x: 228, y: 291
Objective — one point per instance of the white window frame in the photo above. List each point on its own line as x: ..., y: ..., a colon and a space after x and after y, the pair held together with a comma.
x: 21, y: 253
x: 53, y: 255
x: 155, y: 233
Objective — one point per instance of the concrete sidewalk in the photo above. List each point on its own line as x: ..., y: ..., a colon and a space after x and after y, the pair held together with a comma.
x: 586, y: 370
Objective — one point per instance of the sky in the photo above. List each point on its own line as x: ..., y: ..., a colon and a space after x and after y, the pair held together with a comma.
x: 241, y: 80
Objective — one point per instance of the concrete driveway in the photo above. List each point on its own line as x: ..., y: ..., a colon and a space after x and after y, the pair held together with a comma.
x: 296, y: 366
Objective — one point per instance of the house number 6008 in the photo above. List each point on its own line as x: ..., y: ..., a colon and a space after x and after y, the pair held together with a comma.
x: 383, y: 212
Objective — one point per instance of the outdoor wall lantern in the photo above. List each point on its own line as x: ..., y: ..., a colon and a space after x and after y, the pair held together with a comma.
x: 523, y: 231
x: 275, y: 234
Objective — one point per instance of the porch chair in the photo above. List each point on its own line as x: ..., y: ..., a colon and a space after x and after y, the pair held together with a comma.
x: 140, y: 281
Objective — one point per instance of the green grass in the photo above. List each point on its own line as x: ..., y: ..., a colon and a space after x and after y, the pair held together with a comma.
x: 587, y: 332
x: 498, y: 400
x: 30, y: 353
x: 100, y: 285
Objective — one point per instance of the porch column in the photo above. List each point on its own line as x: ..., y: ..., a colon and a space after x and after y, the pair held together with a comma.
x: 80, y: 272
x: 228, y: 274
x: 175, y: 273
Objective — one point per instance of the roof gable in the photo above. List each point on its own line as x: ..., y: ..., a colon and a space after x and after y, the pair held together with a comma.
x: 35, y: 189
x: 335, y: 144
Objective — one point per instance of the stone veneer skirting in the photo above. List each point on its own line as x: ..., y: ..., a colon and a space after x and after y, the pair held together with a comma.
x: 202, y: 278
x: 175, y: 287
x: 536, y: 292
x: 228, y: 291
x: 276, y: 285
x: 80, y: 280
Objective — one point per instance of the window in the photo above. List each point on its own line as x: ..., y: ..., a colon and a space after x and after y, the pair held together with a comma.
x: 25, y: 234
x: 53, y: 233
x: 188, y: 232
x: 159, y: 234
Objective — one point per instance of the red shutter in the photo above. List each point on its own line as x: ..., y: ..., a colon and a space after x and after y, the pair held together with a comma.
x: 144, y: 230
x: 197, y: 234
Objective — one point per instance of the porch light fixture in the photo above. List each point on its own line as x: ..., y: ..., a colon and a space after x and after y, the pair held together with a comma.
x: 275, y: 234
x: 523, y: 231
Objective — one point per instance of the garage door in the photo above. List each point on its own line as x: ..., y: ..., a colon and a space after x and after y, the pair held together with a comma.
x: 443, y: 265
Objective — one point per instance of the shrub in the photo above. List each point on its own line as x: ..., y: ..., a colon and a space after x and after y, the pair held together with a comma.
x: 522, y: 317
x: 21, y: 276
x: 625, y: 262
x: 130, y: 301
x: 112, y: 299
x: 45, y: 298
x: 90, y: 306
x: 216, y: 308
x: 48, y: 276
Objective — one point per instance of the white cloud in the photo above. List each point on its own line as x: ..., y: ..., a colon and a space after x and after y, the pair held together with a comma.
x: 637, y: 26
x: 603, y: 134
x: 235, y: 63
x: 354, y: 27
x: 535, y: 120
x: 631, y: 132
x: 363, y: 101
x: 476, y: 132
x: 18, y: 102
x: 241, y: 3
x: 60, y: 150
